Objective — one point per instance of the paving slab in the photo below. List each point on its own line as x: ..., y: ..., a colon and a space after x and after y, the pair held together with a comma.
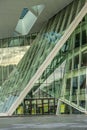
x: 61, y: 122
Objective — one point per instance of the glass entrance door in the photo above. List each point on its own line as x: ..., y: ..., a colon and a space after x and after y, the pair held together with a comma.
x: 45, y: 106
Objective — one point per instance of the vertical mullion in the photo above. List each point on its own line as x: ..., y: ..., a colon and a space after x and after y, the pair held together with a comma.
x: 78, y: 90
x: 2, y: 65
x: 70, y: 17
x: 71, y: 13
x: 50, y: 24
x: 58, y: 19
x: 59, y: 22
x: 58, y: 110
x: 79, y: 7
x: 65, y: 18
x: 86, y: 93
x: 54, y: 22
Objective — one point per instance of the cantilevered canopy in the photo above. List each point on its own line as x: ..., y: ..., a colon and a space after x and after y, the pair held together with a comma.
x: 10, y: 11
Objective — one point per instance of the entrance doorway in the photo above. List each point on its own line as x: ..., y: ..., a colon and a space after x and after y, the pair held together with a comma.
x: 46, y: 106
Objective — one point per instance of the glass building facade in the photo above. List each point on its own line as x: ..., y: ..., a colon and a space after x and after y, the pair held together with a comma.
x: 61, y: 86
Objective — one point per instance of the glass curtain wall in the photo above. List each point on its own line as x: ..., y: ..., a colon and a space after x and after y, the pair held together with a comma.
x: 75, y: 77
x: 11, y: 52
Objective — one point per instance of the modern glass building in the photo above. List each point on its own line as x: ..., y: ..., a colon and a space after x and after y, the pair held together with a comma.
x: 49, y: 72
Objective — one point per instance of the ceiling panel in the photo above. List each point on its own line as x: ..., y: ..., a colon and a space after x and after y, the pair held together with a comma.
x: 10, y: 11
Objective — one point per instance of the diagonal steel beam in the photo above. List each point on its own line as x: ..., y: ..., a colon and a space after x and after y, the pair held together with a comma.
x: 73, y: 105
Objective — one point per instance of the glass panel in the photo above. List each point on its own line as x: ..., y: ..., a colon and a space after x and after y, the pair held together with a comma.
x: 39, y: 107
x: 27, y: 108
x: 65, y: 47
x: 77, y: 40
x: 76, y: 62
x: 84, y: 38
x: 74, y: 89
x: 33, y: 107
x: 84, y: 59
x: 24, y: 12
x: 45, y: 106
x: 82, y: 90
x: 70, y: 64
x: 68, y: 86
x: 51, y: 107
